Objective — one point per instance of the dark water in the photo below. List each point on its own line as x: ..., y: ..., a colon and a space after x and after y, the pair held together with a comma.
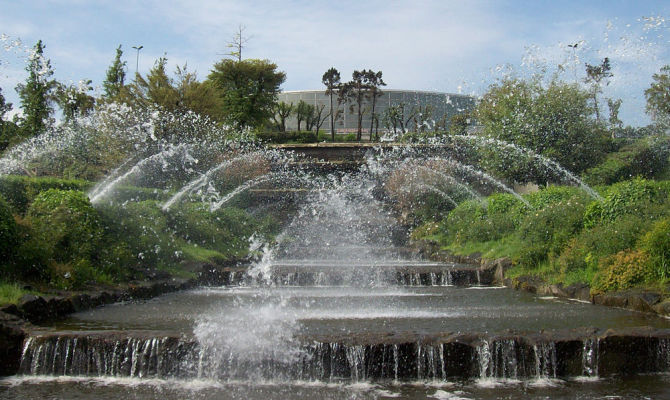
x: 254, y: 317
x: 325, y: 310
x: 655, y: 386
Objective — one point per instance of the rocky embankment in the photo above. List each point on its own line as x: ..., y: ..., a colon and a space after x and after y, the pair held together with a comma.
x: 494, y: 272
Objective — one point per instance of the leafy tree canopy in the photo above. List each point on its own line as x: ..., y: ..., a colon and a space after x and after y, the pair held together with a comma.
x: 658, y: 97
x: 248, y: 89
x: 556, y: 121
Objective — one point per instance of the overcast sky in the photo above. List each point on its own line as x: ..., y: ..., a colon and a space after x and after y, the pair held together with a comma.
x: 452, y: 46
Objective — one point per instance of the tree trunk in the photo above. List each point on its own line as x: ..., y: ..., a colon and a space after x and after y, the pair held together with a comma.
x: 372, y: 112
x: 332, y: 118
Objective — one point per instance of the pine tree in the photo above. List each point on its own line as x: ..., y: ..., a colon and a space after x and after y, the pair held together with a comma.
x: 36, y: 93
x: 116, y: 75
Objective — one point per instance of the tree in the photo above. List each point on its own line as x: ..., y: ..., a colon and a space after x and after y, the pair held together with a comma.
x: 319, y: 117
x: 374, y: 81
x: 196, y: 96
x: 556, y: 121
x: 422, y: 116
x: 331, y: 79
x: 460, y: 123
x: 355, y: 91
x: 248, y: 90
x: 615, y: 122
x: 157, y: 88
x: 236, y: 46
x: 658, y: 98
x: 116, y: 75
x: 282, y: 112
x: 9, y: 131
x: 595, y: 74
x: 74, y: 100
x: 36, y: 93
x: 303, y: 111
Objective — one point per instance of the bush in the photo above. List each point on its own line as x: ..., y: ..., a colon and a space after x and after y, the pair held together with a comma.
x: 656, y: 243
x: 141, y: 230
x: 586, y: 249
x: 8, y: 233
x: 554, y: 194
x: 66, y: 220
x: 647, y: 158
x: 547, y: 231
x: 467, y: 222
x: 20, y: 191
x: 621, y: 271
x: 625, y: 198
x: 226, y: 230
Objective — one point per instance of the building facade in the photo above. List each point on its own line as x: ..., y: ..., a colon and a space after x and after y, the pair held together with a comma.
x: 418, y: 110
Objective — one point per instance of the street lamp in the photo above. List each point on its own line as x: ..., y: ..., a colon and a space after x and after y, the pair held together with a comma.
x: 137, y: 60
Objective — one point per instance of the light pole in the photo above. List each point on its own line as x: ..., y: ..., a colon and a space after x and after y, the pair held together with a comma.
x: 137, y: 60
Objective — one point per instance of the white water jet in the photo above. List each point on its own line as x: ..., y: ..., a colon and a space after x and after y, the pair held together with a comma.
x: 100, y: 192
x: 547, y: 162
x: 201, y: 181
x: 483, y: 175
x: 453, y: 181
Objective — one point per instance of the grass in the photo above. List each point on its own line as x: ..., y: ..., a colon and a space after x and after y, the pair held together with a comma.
x: 201, y: 254
x: 508, y: 246
x: 10, y: 293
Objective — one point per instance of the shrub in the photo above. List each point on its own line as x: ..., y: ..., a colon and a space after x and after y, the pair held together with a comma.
x: 586, y: 249
x: 646, y: 158
x: 66, y: 221
x: 554, y: 194
x: 141, y: 229
x: 8, y: 233
x: 625, y: 198
x: 467, y: 222
x: 546, y: 231
x: 20, y: 191
x: 656, y: 243
x: 621, y: 271
x: 225, y: 230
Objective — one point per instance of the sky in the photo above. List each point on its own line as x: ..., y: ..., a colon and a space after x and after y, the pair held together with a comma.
x: 437, y: 45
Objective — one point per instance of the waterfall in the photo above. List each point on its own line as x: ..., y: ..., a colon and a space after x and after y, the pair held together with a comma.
x: 590, y: 353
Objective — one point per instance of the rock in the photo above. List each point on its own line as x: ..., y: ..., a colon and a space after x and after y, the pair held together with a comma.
x: 662, y: 308
x: 611, y: 300
x: 643, y: 301
x: 501, y: 266
x: 33, y: 308
x: 12, y: 335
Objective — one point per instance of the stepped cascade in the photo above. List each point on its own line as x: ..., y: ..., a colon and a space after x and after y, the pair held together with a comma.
x: 337, y: 298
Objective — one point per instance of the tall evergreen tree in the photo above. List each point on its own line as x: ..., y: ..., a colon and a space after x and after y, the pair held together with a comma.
x: 331, y: 79
x: 116, y: 75
x: 36, y: 93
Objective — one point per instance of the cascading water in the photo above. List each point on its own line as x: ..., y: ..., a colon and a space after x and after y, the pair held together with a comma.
x: 332, y: 298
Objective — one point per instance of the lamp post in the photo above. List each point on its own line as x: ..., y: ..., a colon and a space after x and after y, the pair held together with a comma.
x: 137, y: 60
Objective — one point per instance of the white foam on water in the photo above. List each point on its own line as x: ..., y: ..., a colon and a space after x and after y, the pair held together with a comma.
x: 490, y: 383
x: 444, y: 395
x: 544, y: 383
x: 586, y: 379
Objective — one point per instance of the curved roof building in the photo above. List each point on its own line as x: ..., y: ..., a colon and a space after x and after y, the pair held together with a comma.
x: 418, y: 108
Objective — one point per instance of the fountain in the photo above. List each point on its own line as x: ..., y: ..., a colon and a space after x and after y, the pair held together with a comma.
x: 335, y: 304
